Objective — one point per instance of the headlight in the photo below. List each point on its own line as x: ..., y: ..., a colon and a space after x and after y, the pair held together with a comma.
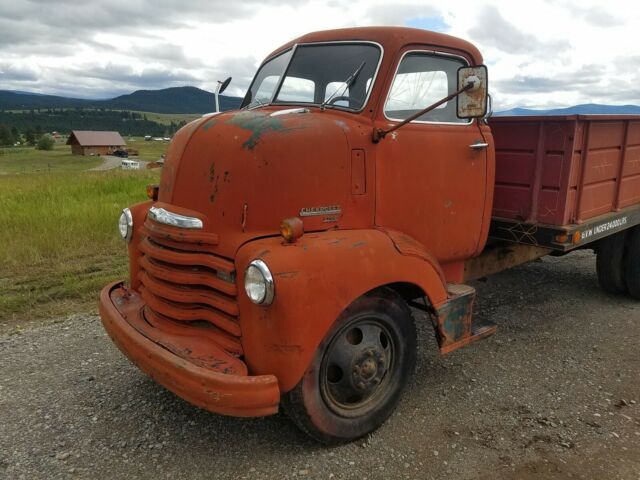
x: 258, y: 283
x: 125, y: 224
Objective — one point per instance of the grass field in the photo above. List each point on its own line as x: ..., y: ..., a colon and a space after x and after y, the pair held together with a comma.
x: 149, y: 150
x: 59, y: 238
x: 161, y: 118
x: 29, y: 160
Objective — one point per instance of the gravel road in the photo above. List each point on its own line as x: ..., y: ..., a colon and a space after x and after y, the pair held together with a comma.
x: 555, y: 394
x: 110, y: 162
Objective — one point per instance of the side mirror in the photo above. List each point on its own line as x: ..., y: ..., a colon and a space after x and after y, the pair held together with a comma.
x: 223, y: 85
x: 472, y: 103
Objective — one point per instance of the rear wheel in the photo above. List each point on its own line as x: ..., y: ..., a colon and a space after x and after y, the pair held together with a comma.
x: 610, y: 263
x: 359, y: 371
x: 632, y: 263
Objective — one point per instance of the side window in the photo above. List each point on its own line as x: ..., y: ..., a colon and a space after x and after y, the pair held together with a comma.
x: 421, y: 80
x: 296, y: 89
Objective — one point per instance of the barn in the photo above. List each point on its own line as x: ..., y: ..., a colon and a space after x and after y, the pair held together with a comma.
x: 87, y: 142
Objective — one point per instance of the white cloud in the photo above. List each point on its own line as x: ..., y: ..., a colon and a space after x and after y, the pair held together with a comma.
x: 542, y: 54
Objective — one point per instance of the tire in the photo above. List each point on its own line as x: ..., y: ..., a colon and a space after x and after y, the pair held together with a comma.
x: 632, y: 263
x: 359, y: 371
x: 610, y: 263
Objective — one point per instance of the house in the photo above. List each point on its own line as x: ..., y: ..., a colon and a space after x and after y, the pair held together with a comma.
x: 86, y: 142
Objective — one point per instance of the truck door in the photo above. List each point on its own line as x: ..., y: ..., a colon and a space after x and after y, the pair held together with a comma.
x: 431, y: 174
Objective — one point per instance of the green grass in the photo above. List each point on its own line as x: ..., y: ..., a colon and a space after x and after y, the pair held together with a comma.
x: 149, y: 150
x: 59, y: 239
x: 29, y: 160
x: 161, y: 118
x: 167, y: 118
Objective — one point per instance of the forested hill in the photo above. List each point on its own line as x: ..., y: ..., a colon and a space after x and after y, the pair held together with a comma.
x: 167, y: 100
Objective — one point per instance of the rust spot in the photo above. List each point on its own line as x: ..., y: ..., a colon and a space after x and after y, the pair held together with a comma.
x: 358, y: 244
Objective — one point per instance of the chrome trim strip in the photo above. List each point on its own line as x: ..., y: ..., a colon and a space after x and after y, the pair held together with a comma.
x: 166, y: 217
x: 427, y: 52
x: 287, y: 111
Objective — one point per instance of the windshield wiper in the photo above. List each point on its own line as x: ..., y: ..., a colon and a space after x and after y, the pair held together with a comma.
x: 348, y: 82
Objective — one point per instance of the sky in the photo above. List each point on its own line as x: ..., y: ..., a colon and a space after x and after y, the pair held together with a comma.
x: 540, y: 53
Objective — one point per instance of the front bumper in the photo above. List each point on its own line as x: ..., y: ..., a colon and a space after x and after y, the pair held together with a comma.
x: 204, y: 386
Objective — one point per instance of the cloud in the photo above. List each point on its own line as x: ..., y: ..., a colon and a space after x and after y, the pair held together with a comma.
x: 10, y: 73
x: 582, y: 79
x: 493, y: 30
x: 398, y: 13
x: 596, y: 16
x: 558, y: 53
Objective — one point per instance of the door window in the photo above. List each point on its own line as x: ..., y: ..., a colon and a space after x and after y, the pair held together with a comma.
x: 421, y: 80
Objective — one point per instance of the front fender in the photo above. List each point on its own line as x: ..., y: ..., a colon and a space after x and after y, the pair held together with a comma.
x: 316, y: 278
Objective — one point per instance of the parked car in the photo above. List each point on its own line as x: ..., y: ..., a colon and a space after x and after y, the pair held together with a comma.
x: 120, y: 153
x: 130, y: 165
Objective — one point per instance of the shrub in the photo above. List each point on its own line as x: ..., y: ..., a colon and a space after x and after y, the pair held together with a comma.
x: 45, y: 143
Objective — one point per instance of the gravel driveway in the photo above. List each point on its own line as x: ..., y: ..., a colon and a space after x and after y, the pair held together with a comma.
x: 555, y: 394
x: 110, y: 162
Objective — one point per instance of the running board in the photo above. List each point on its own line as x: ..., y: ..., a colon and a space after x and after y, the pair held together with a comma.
x: 454, y: 324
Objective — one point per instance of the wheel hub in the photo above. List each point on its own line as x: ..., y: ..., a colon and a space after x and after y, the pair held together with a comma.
x: 355, y: 366
x: 369, y: 368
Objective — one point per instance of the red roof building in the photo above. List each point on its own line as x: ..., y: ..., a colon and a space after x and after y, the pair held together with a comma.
x: 86, y: 142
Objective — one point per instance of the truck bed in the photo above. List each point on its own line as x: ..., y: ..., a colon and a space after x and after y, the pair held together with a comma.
x: 564, y: 181
x: 562, y: 170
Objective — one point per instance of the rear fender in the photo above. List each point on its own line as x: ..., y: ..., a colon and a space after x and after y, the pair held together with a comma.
x: 316, y: 278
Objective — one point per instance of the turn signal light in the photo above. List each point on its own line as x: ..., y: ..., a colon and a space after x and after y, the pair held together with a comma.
x: 152, y: 191
x: 291, y: 229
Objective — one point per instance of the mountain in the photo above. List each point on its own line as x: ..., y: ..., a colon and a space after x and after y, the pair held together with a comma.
x: 584, y: 109
x: 167, y: 100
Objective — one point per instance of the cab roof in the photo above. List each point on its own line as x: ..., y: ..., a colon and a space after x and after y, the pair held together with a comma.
x: 391, y: 38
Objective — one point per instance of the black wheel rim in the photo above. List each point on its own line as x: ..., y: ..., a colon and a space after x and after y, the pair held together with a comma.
x: 357, y: 367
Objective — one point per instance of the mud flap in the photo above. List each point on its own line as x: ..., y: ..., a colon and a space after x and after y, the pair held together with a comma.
x: 453, y: 321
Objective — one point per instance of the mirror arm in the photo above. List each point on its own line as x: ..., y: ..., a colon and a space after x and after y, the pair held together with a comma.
x: 379, y: 133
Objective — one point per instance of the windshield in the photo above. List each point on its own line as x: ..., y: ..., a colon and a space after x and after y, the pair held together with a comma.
x: 318, y: 74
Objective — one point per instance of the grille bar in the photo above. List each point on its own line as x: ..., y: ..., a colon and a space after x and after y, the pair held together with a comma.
x: 192, y: 294
x: 166, y: 254
x: 189, y: 313
x: 190, y: 275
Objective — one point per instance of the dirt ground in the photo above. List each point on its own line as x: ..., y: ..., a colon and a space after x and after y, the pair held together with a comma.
x: 555, y: 394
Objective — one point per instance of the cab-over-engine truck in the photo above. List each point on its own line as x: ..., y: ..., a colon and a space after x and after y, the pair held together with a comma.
x: 277, y: 260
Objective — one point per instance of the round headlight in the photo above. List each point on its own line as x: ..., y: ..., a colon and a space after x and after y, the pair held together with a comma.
x: 125, y: 224
x: 258, y: 283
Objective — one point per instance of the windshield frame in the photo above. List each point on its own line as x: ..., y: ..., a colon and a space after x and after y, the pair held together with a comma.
x: 293, y: 49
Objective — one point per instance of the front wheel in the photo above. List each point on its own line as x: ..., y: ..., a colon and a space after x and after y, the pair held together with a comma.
x: 359, y: 371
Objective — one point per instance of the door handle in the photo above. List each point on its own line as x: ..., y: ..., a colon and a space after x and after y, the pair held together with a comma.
x: 478, y: 146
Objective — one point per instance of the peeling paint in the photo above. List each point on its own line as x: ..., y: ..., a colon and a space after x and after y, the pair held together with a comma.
x: 209, y: 124
x: 258, y: 124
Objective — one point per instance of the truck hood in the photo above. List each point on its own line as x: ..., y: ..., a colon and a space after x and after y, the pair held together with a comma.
x: 243, y: 172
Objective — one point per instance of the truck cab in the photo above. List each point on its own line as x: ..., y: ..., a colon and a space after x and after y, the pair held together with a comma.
x: 277, y: 261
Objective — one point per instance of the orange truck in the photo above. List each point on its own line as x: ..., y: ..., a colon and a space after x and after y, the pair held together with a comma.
x: 278, y: 261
